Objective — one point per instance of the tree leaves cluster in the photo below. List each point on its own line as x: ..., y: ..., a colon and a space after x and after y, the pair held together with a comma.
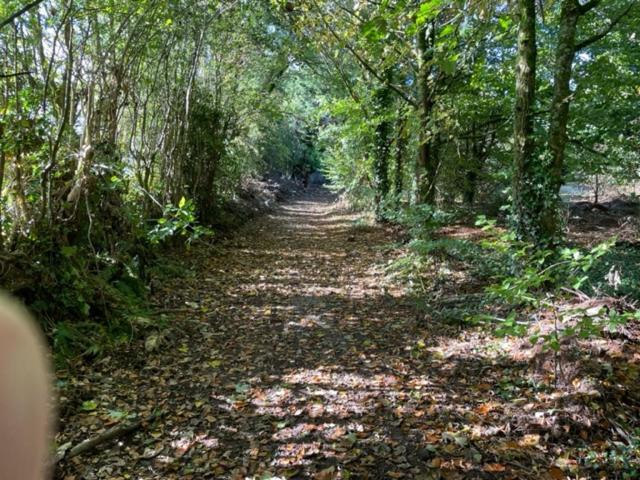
x: 112, y: 113
x: 450, y: 71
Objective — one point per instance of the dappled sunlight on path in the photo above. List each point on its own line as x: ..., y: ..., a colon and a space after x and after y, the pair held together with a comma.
x: 296, y: 358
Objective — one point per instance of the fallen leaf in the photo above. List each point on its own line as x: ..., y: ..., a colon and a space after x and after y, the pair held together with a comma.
x: 494, y: 467
x: 556, y: 473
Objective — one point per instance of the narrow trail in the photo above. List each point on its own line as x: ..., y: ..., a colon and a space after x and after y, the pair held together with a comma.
x: 292, y: 358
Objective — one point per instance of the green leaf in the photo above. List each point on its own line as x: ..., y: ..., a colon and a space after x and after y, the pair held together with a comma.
x: 375, y: 29
x: 242, y: 388
x: 182, y: 203
x: 505, y: 23
x: 117, y: 414
x: 448, y: 65
x: 427, y: 11
x: 446, y: 31
x: 89, y: 405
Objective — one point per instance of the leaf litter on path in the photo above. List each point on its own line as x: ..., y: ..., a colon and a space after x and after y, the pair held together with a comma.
x: 295, y: 358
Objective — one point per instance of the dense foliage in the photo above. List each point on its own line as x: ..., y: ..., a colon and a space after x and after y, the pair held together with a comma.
x: 433, y: 95
x: 127, y: 124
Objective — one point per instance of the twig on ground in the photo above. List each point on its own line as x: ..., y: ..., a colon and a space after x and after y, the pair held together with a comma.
x: 118, y: 431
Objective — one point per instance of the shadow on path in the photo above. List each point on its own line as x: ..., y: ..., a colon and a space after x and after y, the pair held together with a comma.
x: 298, y: 360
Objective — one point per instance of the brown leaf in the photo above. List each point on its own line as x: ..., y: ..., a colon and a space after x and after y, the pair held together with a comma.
x: 556, y: 473
x: 494, y: 467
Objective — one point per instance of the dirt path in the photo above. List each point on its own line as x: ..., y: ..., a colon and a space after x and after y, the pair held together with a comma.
x: 289, y: 356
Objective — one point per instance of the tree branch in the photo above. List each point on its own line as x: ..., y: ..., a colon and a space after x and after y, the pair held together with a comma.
x: 16, y: 74
x: 606, y: 31
x: 364, y: 63
x: 589, y: 149
x: 118, y: 431
x: 15, y: 15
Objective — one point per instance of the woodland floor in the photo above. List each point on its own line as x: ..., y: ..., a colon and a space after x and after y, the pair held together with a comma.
x: 289, y: 354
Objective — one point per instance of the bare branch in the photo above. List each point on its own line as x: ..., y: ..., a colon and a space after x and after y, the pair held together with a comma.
x: 364, y: 63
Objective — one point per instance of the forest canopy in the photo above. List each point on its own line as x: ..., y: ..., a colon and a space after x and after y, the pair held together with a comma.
x: 146, y: 103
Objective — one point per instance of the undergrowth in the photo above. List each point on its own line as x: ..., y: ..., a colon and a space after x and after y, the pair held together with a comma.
x: 89, y: 296
x: 517, y: 282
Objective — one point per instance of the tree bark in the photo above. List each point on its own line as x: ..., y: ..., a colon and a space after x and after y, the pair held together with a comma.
x: 557, y: 139
x: 382, y: 145
x: 426, y: 166
x: 401, y: 143
x: 524, y: 175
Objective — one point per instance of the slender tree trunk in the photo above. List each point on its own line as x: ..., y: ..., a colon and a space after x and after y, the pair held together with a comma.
x: 21, y: 214
x: 426, y: 165
x: 401, y: 144
x: 382, y: 145
x: 65, y: 119
x: 471, y: 177
x: 565, y: 53
x: 477, y: 151
x: 3, y: 161
x: 525, y: 196
x: 178, y: 174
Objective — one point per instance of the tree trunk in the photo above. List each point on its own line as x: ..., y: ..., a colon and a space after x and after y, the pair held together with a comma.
x: 382, y: 144
x: 565, y: 53
x: 3, y: 161
x: 471, y: 176
x: 64, y: 120
x: 525, y: 196
x: 477, y: 151
x: 401, y: 144
x: 426, y: 163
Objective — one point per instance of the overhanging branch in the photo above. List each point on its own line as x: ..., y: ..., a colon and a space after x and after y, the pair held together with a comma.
x: 16, y: 74
x: 23, y: 10
x: 599, y: 36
